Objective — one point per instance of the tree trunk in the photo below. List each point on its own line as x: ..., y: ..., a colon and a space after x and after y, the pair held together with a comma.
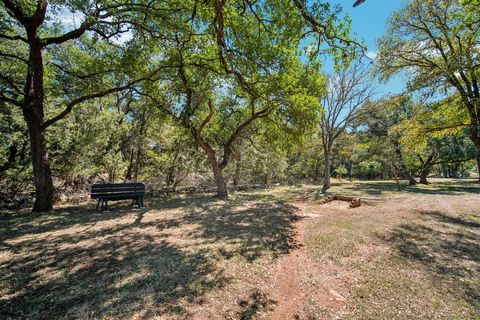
x: 426, y: 164
x: 477, y: 145
x: 423, y: 176
x: 33, y: 112
x: 42, y: 173
x: 238, y: 170
x: 137, y: 164
x: 219, y: 179
x: 395, y: 176
x: 327, y: 166
x: 403, y: 168
x: 475, y: 129
x: 217, y: 170
x: 444, y: 170
x: 478, y: 164
x: 349, y: 169
x: 128, y: 175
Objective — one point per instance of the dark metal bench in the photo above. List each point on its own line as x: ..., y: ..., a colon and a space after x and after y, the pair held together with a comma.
x: 118, y: 191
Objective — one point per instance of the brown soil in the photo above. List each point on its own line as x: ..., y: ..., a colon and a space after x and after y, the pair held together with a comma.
x: 295, y: 280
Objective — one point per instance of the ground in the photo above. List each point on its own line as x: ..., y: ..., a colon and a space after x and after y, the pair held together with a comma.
x: 272, y: 254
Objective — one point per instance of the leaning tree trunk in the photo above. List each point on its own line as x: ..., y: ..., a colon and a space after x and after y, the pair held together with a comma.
x: 423, y: 176
x: 219, y: 179
x: 403, y: 168
x: 217, y: 170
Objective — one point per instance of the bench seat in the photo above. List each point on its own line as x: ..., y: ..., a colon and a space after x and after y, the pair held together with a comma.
x: 117, y: 191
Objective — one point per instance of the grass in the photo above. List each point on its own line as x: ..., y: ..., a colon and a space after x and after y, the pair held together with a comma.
x: 175, y: 259
x: 413, y: 254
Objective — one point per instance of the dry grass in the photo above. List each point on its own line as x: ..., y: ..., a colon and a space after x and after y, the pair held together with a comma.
x: 413, y: 254
x: 185, y: 257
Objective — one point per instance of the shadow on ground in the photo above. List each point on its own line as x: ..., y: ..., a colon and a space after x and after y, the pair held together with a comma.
x: 444, y: 188
x: 123, y: 263
x: 448, y: 246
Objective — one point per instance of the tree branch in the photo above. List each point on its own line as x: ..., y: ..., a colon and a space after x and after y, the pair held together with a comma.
x: 15, y: 11
x: 81, y: 99
x: 76, y: 33
x: 10, y: 100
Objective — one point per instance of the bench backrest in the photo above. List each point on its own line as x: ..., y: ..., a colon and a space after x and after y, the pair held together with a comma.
x: 120, y: 189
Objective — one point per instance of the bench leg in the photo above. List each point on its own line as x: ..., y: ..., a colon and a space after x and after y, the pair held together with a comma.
x: 98, y: 204
x: 104, y: 205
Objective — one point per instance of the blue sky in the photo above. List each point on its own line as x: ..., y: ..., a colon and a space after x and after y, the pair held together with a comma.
x: 368, y: 23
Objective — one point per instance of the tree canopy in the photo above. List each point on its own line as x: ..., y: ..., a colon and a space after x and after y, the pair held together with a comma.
x: 178, y: 91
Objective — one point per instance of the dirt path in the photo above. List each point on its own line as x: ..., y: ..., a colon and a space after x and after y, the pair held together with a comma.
x: 297, y: 282
x: 286, y: 289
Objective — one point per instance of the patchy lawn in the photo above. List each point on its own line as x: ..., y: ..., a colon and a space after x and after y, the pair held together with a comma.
x: 413, y: 254
x: 184, y: 257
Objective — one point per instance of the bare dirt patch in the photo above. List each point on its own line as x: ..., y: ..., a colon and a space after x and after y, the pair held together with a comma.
x: 299, y: 285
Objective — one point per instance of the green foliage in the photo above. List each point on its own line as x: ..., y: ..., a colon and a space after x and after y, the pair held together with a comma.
x: 370, y: 169
x: 14, y: 152
x: 247, y: 80
x: 341, y: 170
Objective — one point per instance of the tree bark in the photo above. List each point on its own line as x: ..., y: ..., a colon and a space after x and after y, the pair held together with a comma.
x: 326, y: 170
x: 170, y: 177
x: 476, y: 141
x: 218, y: 176
x: 473, y: 110
x: 128, y: 175
x: 423, y: 176
x: 426, y: 164
x: 403, y: 168
x: 238, y: 170
x: 33, y: 112
x: 216, y: 168
x: 44, y: 190
x: 138, y: 159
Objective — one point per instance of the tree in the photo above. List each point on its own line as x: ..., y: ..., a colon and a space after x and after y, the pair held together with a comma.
x: 427, y: 131
x: 348, y: 90
x: 35, y: 43
x: 237, y: 65
x: 381, y: 119
x: 437, y: 44
x: 217, y: 117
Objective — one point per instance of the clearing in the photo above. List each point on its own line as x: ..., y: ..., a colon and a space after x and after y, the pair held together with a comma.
x: 273, y: 254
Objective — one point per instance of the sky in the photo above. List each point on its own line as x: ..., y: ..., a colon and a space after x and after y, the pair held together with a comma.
x: 368, y: 23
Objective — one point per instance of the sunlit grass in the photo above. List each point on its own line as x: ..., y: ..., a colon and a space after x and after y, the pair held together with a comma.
x: 409, y: 254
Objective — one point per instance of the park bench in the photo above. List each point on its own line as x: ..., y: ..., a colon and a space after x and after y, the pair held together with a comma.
x: 117, y: 191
